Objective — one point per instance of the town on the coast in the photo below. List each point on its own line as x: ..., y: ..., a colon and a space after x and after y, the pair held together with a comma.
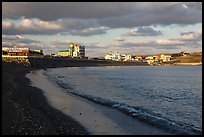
x: 77, y: 51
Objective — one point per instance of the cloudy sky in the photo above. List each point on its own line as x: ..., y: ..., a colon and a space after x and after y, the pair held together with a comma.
x: 126, y: 27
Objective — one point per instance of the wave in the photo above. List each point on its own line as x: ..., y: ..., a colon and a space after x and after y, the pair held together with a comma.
x: 137, y: 112
x: 144, y: 115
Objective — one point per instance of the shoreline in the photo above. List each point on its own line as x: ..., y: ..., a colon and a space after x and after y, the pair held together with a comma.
x: 103, y: 121
x: 25, y: 110
x: 30, y: 103
x: 188, y: 64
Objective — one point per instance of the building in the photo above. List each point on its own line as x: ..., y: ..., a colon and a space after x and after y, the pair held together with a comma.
x: 126, y: 57
x: 138, y: 58
x: 76, y: 50
x: 165, y: 57
x: 116, y: 56
x: 63, y: 53
x: 15, y: 51
x: 149, y: 58
x: 20, y: 51
x: 113, y: 56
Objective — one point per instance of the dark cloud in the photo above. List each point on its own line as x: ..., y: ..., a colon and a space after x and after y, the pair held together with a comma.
x: 87, y: 19
x: 157, y: 14
x: 78, y: 27
x: 150, y: 44
x: 113, y: 15
x: 57, y: 10
x: 17, y: 39
x: 191, y: 38
x: 77, y: 24
x: 187, y: 33
x: 144, y: 31
x: 89, y: 31
x: 14, y: 31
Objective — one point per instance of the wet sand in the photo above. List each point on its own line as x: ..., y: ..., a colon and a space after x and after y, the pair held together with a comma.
x: 97, y: 119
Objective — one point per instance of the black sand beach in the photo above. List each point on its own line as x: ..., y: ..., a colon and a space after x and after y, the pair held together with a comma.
x: 25, y: 110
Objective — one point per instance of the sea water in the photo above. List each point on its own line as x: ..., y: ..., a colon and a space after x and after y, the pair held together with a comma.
x: 170, y: 96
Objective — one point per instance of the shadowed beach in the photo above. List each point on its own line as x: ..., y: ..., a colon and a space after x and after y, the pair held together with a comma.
x: 28, y: 111
x: 25, y: 110
x: 33, y: 105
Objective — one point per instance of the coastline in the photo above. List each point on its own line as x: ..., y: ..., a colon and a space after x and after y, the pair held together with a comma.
x: 188, y: 64
x: 25, y: 110
x: 97, y: 119
x: 33, y: 113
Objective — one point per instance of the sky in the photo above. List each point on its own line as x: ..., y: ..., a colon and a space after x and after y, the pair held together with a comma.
x: 125, y: 27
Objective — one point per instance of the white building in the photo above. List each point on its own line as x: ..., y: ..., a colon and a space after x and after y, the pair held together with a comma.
x: 149, y: 58
x: 126, y: 57
x: 76, y: 50
x: 138, y: 58
x: 113, y: 56
x: 165, y: 57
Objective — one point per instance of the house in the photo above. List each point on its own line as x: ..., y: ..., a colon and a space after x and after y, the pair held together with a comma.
x: 165, y: 57
x: 126, y: 57
x: 113, y: 56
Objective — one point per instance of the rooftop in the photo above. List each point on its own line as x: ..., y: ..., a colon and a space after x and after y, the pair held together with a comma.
x: 64, y: 50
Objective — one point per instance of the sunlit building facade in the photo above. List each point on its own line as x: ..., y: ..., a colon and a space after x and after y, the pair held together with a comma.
x: 63, y: 53
x: 20, y: 51
x: 76, y: 50
x: 113, y: 56
x: 126, y: 57
x: 165, y: 57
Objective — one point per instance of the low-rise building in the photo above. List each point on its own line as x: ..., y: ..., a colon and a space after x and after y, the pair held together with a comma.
x: 20, y: 51
x: 149, y: 58
x: 15, y: 51
x: 126, y: 57
x: 63, y: 53
x: 113, y: 56
x: 165, y: 57
x: 138, y: 58
x: 150, y: 61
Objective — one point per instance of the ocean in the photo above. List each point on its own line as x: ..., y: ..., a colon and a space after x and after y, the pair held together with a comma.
x: 169, y: 96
